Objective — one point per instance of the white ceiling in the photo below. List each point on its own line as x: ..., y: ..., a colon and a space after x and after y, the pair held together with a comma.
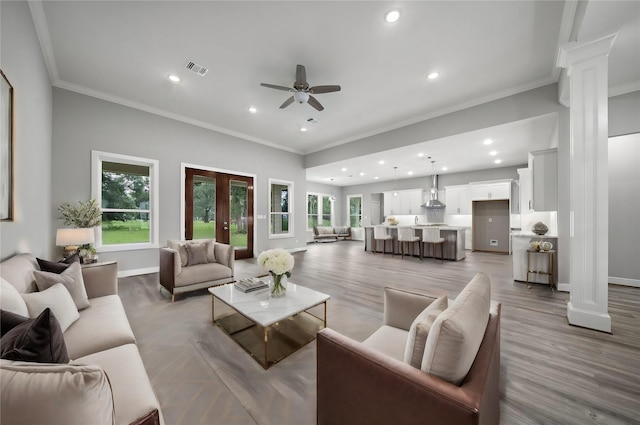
x: 123, y: 51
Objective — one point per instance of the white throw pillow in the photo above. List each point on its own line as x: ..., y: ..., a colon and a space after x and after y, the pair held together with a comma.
x: 39, y: 393
x: 419, y: 331
x: 71, y: 278
x: 456, y: 334
x: 58, y: 299
x: 11, y: 300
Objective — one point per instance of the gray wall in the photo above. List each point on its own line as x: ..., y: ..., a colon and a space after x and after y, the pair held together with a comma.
x: 624, y: 114
x: 82, y: 124
x: 21, y: 61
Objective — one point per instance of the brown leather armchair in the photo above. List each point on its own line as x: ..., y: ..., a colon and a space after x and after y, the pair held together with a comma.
x: 358, y: 384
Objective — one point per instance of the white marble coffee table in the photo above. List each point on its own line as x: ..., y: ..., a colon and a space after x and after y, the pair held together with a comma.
x: 269, y: 329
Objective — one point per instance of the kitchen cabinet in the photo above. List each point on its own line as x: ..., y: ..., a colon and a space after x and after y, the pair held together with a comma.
x: 526, y: 191
x: 458, y: 199
x: 408, y: 202
x: 544, y: 176
x: 483, y: 191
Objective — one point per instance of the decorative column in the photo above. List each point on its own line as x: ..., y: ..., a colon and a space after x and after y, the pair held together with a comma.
x: 587, y: 69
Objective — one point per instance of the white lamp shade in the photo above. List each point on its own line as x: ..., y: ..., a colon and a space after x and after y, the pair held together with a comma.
x: 66, y: 237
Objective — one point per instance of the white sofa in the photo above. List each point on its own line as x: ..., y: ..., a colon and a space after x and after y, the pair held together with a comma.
x: 105, y: 381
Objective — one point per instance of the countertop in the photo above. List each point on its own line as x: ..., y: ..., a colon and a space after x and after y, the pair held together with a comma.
x: 417, y: 226
x: 530, y: 234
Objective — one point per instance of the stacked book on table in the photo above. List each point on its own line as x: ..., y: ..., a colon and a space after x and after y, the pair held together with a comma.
x: 251, y: 284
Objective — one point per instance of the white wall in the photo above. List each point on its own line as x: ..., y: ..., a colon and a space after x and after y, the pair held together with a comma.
x: 22, y: 62
x: 624, y: 209
x: 82, y: 123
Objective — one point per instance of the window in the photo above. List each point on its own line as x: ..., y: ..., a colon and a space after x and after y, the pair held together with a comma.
x: 319, y: 210
x: 126, y: 190
x: 355, y: 210
x: 280, y: 209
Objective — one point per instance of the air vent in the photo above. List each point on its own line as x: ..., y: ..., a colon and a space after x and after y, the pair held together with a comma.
x: 198, y: 69
x: 312, y: 120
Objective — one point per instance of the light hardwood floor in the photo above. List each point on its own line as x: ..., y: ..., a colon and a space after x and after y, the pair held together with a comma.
x: 552, y: 373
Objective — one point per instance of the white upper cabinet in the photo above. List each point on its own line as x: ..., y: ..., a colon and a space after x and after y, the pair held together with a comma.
x: 483, y: 191
x: 458, y: 199
x: 544, y: 176
x: 526, y: 191
x: 408, y: 202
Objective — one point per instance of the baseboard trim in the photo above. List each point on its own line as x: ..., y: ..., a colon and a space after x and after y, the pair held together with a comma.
x: 624, y: 281
x: 136, y: 272
x: 564, y: 287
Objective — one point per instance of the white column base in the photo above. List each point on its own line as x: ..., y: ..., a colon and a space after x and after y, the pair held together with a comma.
x: 588, y: 319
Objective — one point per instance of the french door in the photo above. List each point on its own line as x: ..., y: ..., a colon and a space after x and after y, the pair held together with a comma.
x: 220, y: 206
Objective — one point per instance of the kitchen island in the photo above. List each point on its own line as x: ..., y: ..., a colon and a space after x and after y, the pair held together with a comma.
x: 453, y: 241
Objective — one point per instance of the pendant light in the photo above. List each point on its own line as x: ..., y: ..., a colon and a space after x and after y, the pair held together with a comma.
x: 332, y: 197
x: 395, y: 181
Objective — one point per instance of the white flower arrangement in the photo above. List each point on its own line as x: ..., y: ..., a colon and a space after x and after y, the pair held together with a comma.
x: 277, y: 261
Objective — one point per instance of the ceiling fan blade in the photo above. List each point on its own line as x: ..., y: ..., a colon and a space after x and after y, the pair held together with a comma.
x: 314, y: 102
x: 287, y: 103
x: 324, y: 89
x: 273, y: 86
x: 301, y: 77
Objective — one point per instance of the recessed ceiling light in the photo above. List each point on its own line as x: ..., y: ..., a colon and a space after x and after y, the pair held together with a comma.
x: 444, y: 168
x: 487, y: 141
x: 493, y: 153
x: 420, y: 155
x: 252, y: 109
x: 432, y: 75
x: 174, y: 78
x: 376, y: 178
x: 343, y: 169
x: 498, y: 161
x: 361, y: 173
x: 410, y: 173
x: 392, y: 16
x: 303, y: 129
x: 381, y: 162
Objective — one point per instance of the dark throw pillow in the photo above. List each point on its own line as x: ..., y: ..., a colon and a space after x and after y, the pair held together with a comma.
x: 35, y: 340
x: 9, y: 320
x: 59, y: 267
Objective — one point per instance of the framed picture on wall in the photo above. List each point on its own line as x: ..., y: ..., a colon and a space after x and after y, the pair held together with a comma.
x: 6, y: 149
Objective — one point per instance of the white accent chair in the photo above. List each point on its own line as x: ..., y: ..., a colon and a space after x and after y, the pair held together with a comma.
x: 406, y: 235
x: 380, y: 234
x: 431, y: 236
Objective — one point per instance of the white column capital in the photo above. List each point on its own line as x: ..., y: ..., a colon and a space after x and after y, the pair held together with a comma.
x: 573, y: 53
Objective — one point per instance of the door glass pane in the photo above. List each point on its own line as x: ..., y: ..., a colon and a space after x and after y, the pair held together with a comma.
x: 238, y: 203
x: 312, y: 211
x: 326, y: 211
x: 355, y: 211
x: 204, y: 207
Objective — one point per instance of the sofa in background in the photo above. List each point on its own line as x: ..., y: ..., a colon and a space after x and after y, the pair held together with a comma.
x: 184, y: 266
x: 456, y: 380
x: 327, y: 232
x: 105, y: 382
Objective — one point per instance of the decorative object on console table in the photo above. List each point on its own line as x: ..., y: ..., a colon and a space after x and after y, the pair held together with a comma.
x: 82, y: 215
x: 6, y: 149
x: 77, y: 241
x: 540, y: 228
x: 279, y: 263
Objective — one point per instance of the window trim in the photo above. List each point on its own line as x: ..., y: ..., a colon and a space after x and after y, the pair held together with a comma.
x: 290, y: 233
x: 361, y: 209
x: 97, y: 158
x: 320, y: 214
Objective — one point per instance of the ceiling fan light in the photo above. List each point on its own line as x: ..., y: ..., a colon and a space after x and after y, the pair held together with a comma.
x: 301, y: 96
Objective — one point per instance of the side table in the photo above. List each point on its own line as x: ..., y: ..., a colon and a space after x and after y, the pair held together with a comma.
x: 548, y: 272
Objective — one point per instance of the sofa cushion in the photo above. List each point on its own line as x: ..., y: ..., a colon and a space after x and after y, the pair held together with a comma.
x: 58, y: 299
x: 71, y: 278
x: 419, y: 331
x: 35, y: 340
x: 133, y: 396
x: 18, y: 271
x: 202, y: 273
x: 9, y: 320
x: 196, y: 253
x: 388, y: 340
x: 59, y: 266
x: 40, y: 393
x: 11, y: 300
x: 456, y: 334
x: 81, y: 336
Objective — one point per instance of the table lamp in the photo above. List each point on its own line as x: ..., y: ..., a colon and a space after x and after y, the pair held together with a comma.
x: 71, y: 239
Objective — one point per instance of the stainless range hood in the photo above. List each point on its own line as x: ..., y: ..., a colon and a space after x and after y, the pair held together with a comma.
x: 433, y: 202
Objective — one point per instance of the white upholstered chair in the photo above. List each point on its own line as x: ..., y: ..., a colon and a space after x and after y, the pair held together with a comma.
x: 431, y: 235
x: 380, y: 234
x: 406, y: 235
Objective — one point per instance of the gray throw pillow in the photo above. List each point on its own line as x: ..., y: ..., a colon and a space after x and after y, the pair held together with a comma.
x: 419, y: 331
x: 71, y: 278
x: 197, y: 253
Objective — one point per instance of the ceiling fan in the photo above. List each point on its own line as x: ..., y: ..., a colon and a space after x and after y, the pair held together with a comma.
x: 301, y: 90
